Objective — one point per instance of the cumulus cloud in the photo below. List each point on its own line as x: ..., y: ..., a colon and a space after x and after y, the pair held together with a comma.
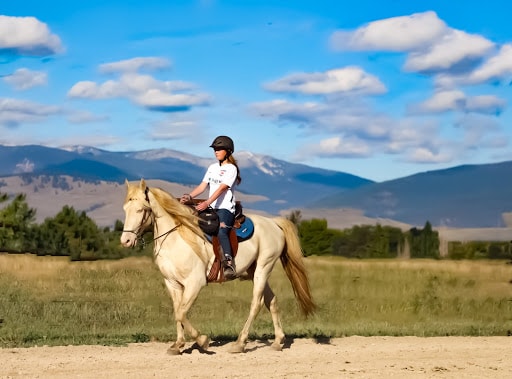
x: 455, y: 100
x: 403, y: 33
x: 14, y: 112
x: 431, y: 45
x: 24, y: 78
x: 142, y: 90
x: 455, y: 49
x: 27, y: 36
x: 496, y: 68
x: 342, y: 80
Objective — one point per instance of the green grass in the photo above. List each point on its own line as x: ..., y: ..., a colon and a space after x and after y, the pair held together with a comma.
x: 51, y: 301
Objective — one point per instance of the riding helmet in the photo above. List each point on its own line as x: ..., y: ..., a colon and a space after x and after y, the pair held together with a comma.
x: 223, y: 142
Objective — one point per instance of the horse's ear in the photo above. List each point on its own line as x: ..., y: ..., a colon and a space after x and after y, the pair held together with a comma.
x: 143, y: 185
x: 127, y: 183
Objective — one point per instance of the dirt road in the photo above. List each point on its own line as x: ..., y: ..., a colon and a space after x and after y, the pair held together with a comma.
x: 351, y: 357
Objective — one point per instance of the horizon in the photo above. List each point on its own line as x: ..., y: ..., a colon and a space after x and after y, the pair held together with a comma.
x: 380, y: 91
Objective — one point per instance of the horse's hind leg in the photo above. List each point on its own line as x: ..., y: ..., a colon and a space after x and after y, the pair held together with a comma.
x: 257, y: 302
x: 270, y: 301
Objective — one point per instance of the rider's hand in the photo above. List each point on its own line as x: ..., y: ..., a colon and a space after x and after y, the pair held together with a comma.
x: 202, y: 206
x: 185, y: 198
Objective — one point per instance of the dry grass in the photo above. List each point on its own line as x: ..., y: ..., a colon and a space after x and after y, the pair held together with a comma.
x: 49, y: 300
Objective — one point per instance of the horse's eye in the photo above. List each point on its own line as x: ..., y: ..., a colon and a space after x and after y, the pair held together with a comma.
x: 140, y: 210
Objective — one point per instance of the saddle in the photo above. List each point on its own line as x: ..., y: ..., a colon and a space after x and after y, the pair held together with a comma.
x: 209, y: 223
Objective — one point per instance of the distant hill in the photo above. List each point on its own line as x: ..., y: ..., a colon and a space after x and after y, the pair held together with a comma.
x: 469, y: 196
x: 278, y: 184
x: 463, y: 196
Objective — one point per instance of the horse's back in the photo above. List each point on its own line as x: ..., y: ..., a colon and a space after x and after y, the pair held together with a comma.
x: 266, y: 243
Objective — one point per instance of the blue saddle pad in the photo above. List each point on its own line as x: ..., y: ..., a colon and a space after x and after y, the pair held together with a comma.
x: 246, y: 229
x: 243, y: 233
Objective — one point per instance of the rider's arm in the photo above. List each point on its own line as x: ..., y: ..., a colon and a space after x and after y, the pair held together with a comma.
x: 198, y: 190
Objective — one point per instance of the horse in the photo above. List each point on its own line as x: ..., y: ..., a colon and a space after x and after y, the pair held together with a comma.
x: 184, y: 257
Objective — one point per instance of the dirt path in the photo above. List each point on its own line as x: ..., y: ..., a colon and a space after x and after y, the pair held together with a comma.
x: 351, y: 357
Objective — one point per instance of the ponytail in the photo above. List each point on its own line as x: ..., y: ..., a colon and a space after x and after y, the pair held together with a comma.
x: 232, y: 160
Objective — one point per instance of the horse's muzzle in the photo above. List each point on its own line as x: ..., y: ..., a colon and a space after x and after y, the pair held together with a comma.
x: 128, y: 239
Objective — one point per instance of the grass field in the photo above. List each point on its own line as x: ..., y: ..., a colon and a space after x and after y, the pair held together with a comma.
x: 51, y: 301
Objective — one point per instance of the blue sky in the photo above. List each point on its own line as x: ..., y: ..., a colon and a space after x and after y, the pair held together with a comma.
x: 379, y: 89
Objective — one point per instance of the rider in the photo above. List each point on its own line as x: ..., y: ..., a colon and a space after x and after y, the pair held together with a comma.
x: 221, y: 178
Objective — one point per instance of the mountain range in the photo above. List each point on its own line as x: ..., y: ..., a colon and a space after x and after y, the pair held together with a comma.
x: 463, y: 196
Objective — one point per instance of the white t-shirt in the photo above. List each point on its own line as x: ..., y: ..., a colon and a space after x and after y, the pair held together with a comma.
x: 217, y: 175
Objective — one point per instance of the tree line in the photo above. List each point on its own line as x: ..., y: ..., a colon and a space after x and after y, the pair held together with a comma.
x: 72, y: 233
x: 377, y: 241
x: 69, y: 233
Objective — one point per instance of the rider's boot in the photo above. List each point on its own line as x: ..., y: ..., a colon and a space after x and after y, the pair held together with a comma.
x: 229, y: 267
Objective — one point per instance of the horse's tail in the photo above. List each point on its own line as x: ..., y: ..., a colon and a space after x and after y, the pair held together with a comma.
x: 293, y: 264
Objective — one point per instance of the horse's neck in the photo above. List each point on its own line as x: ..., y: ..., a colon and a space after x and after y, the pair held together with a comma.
x: 162, y: 219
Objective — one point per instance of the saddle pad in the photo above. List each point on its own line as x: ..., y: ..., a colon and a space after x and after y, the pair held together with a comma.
x: 246, y: 229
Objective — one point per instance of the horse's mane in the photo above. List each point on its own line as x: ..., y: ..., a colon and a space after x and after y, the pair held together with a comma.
x: 182, y: 213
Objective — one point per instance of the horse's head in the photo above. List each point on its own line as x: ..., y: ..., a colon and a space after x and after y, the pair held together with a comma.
x: 137, y: 213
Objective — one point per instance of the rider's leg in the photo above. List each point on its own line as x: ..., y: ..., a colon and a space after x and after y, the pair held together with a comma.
x: 227, y: 219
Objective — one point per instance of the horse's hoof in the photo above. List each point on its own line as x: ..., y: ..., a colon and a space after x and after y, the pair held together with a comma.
x: 203, y: 342
x: 172, y: 351
x: 276, y: 346
x: 236, y: 348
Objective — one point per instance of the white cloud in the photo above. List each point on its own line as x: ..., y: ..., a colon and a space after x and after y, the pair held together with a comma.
x: 403, y: 33
x: 24, y: 78
x: 14, y: 112
x: 496, y: 67
x: 431, y: 44
x: 282, y: 110
x: 337, y: 147
x: 453, y: 47
x: 172, y: 129
x: 485, y: 104
x: 342, y: 80
x: 27, y: 36
x: 425, y: 155
x: 136, y: 64
x: 143, y: 90
x: 455, y: 100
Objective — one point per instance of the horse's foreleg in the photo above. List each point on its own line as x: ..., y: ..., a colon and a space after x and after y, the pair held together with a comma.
x: 270, y: 301
x: 187, y: 298
x: 176, y: 296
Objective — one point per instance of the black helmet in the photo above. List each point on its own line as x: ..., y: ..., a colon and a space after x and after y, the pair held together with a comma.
x: 223, y: 142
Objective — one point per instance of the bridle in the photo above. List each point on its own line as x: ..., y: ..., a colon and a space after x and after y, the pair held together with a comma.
x: 139, y: 230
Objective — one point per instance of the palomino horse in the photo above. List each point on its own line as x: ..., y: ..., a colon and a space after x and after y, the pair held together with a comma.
x: 184, y: 257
